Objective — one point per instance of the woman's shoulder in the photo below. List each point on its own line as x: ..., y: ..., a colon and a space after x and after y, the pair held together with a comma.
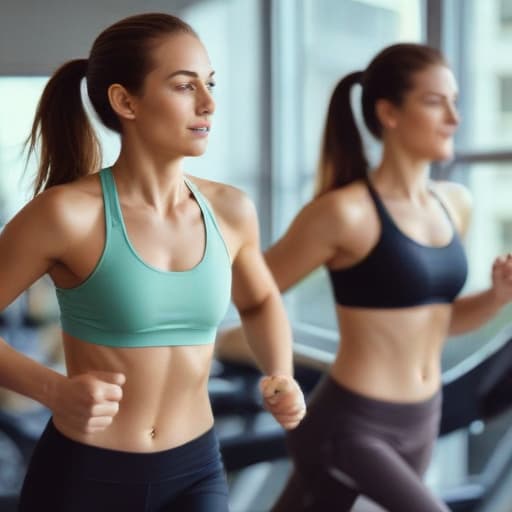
x: 454, y: 192
x: 73, y: 196
x: 57, y: 216
x: 349, y: 205
x: 457, y: 199
x: 65, y: 206
x: 230, y: 203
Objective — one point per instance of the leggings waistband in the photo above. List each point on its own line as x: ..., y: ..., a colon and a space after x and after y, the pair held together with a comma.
x: 199, y: 454
x: 330, y: 394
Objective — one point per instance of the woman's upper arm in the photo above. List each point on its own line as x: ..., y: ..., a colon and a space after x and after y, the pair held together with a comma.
x: 29, y: 244
x: 309, y: 242
x: 252, y: 281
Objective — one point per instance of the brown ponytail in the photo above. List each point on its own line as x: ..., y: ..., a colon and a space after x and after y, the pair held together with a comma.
x: 342, y: 158
x: 69, y: 147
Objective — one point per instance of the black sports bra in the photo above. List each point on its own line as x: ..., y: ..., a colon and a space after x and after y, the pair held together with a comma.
x: 399, y: 272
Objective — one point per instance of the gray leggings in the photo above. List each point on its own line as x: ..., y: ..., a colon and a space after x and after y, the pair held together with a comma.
x: 349, y: 445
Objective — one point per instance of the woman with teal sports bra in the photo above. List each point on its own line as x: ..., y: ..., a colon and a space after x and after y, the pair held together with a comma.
x: 145, y: 261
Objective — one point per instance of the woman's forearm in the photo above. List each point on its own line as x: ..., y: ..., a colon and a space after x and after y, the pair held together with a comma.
x: 27, y: 377
x: 268, y: 334
x: 472, y: 311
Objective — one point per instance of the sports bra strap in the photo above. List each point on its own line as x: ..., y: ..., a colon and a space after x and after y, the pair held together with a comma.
x: 443, y: 206
x: 384, y: 214
x: 112, y: 213
x: 206, y: 207
x: 379, y: 205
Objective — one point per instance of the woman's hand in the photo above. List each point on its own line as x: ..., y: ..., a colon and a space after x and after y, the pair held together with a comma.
x: 284, y: 399
x: 502, y: 279
x: 87, y: 403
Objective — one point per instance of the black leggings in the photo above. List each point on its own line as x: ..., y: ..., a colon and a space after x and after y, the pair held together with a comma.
x: 350, y: 445
x: 67, y: 476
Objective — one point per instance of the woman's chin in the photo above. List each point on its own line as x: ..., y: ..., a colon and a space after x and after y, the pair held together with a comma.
x: 197, y: 151
x: 442, y: 154
x: 445, y: 156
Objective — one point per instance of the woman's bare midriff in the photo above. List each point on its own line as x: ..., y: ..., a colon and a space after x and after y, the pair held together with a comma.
x: 392, y: 354
x: 165, y: 397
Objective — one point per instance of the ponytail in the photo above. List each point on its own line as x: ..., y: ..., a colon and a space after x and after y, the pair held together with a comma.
x: 342, y: 158
x: 69, y: 147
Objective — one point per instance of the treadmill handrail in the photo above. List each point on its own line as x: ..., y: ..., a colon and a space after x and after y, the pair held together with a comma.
x: 502, y: 338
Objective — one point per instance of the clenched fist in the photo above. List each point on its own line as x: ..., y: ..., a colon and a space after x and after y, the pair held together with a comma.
x: 88, y: 402
x: 502, y: 278
x: 283, y: 398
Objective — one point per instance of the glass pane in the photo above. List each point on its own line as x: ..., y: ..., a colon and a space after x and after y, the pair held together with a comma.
x: 486, y: 75
x: 18, y: 101
x: 505, y: 13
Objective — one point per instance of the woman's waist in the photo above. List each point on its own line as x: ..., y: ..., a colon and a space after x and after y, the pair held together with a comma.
x: 404, y: 381
x: 164, y: 399
x: 422, y: 322
x: 143, y: 429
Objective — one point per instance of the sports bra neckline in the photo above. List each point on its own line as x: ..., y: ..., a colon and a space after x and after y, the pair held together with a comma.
x: 119, y: 212
x: 385, y: 216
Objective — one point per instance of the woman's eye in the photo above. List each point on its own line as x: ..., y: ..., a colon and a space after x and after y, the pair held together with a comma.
x: 185, y: 87
x: 210, y: 86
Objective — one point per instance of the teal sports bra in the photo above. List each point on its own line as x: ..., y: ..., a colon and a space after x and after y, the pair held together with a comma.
x: 126, y: 302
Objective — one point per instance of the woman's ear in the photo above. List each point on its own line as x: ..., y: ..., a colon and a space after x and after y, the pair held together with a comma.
x: 386, y: 114
x: 121, y: 101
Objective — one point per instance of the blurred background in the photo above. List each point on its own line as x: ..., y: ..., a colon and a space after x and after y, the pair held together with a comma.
x: 276, y: 64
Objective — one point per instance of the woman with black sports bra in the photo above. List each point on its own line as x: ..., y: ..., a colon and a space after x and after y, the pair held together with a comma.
x: 145, y: 260
x: 390, y: 241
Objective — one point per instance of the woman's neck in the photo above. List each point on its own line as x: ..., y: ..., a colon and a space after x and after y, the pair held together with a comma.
x: 401, y: 175
x: 156, y: 182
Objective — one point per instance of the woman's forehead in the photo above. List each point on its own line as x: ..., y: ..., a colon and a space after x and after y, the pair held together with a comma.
x: 181, y: 52
x: 437, y: 78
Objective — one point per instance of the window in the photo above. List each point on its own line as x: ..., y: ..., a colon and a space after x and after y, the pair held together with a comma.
x: 485, y: 76
x: 18, y: 101
x: 505, y: 119
x: 506, y: 234
x: 505, y: 12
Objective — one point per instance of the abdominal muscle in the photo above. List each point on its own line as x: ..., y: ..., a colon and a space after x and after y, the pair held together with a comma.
x: 392, y: 354
x: 165, y: 397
